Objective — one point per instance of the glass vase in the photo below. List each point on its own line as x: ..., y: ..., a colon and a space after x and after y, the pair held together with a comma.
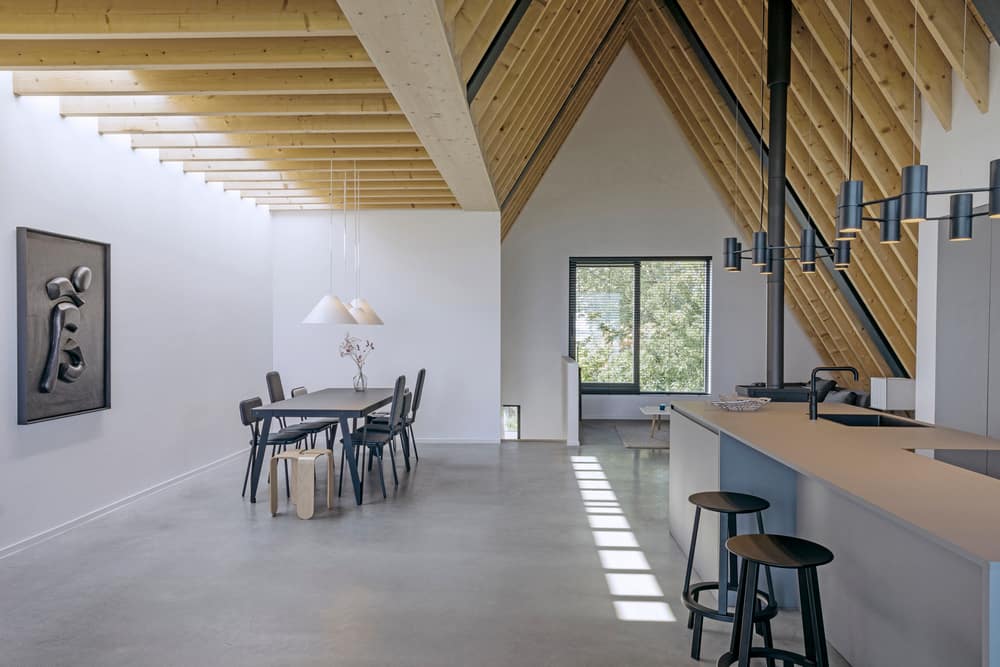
x: 360, y: 380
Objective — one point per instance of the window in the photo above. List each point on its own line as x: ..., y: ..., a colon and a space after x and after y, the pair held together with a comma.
x: 511, y: 420
x: 640, y: 324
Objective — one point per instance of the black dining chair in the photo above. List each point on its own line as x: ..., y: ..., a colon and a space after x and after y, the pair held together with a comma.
x: 276, y: 392
x: 409, y: 413
x: 313, y: 424
x: 374, y: 440
x: 277, y: 438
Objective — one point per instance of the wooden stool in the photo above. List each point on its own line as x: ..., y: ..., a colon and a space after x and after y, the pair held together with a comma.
x: 303, y: 480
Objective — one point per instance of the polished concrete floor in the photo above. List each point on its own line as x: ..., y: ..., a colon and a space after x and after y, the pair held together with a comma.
x: 482, y: 557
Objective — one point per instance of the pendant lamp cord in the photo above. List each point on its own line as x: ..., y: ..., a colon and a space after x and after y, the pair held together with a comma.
x: 913, y: 148
x: 763, y: 32
x: 357, y: 234
x: 850, y: 86
x: 331, y: 226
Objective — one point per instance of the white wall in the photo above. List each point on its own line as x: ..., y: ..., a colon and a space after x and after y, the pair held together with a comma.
x: 624, y: 183
x: 956, y: 158
x: 190, y: 317
x: 434, y: 278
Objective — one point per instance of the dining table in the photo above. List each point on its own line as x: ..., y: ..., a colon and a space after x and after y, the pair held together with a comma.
x: 335, y: 403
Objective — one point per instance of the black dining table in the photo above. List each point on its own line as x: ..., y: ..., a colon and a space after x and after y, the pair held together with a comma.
x: 342, y: 404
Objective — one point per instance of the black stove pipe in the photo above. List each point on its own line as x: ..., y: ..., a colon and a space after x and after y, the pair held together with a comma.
x: 779, y: 60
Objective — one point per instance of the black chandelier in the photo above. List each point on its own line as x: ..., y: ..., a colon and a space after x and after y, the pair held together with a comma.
x: 909, y: 206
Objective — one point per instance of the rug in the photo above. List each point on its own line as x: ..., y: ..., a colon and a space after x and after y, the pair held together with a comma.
x: 635, y: 435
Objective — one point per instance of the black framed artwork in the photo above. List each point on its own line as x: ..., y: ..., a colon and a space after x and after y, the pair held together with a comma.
x: 63, y: 326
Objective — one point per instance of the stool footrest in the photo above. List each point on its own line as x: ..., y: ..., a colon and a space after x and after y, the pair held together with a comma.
x: 690, y: 599
x: 787, y: 657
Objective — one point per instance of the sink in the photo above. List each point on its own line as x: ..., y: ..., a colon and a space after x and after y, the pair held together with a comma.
x: 871, y: 420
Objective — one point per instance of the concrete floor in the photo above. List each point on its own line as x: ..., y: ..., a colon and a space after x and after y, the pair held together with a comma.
x: 482, y: 557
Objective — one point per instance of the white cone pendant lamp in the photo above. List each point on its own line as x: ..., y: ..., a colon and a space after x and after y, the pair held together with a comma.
x: 330, y: 309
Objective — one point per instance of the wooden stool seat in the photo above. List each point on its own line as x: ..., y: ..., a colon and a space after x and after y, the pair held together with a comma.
x: 303, y: 480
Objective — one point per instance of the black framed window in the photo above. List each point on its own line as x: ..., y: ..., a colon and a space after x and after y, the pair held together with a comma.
x: 641, y: 325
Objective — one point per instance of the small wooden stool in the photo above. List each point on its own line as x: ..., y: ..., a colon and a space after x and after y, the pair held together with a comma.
x: 303, y: 480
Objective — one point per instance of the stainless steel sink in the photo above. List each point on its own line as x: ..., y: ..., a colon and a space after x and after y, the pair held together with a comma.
x: 870, y: 420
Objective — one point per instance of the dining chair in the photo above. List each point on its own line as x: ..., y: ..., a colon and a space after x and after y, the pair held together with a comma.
x: 276, y: 393
x: 278, y: 438
x: 409, y: 413
x: 331, y: 424
x: 374, y: 440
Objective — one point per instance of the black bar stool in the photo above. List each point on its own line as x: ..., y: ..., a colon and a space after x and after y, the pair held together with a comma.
x: 785, y: 552
x: 729, y: 505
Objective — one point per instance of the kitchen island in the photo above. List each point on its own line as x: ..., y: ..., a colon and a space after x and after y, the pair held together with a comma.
x: 916, y: 578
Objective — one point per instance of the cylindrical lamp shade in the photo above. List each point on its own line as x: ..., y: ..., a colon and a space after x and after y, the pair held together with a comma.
x: 759, y: 248
x: 772, y: 259
x: 994, y: 209
x: 889, y: 212
x: 842, y: 255
x: 809, y: 269
x: 961, y: 217
x: 849, y: 207
x: 731, y: 253
x: 913, y: 200
x: 807, y: 252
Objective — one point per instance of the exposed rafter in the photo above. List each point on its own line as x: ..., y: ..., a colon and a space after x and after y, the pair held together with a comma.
x: 410, y: 46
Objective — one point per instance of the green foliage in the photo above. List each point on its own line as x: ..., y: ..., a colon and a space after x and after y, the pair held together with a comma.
x: 672, y: 325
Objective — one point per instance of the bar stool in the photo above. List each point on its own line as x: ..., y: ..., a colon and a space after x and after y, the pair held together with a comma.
x: 785, y: 552
x: 729, y: 505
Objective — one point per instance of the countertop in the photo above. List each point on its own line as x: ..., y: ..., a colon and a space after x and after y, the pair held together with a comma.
x: 957, y: 508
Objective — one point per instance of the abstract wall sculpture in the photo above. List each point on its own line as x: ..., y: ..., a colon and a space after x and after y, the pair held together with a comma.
x: 63, y: 333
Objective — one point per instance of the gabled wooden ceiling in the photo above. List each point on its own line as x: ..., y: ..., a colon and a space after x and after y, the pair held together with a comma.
x: 561, y: 49
x: 264, y: 96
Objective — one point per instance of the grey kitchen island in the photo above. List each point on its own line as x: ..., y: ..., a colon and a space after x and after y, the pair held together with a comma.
x: 916, y: 578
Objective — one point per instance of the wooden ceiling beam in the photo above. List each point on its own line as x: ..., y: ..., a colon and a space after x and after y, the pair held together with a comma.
x: 147, y: 19
x: 338, y: 155
x: 304, y: 81
x: 320, y: 190
x: 963, y: 43
x: 252, y: 124
x: 228, y: 105
x: 931, y: 71
x: 310, y: 165
x: 478, y: 43
x: 285, y: 140
x: 410, y: 46
x: 327, y: 207
x: 404, y: 178
x: 182, y: 53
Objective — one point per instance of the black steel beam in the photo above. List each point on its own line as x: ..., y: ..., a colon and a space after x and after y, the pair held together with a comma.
x: 990, y: 11
x: 496, y: 47
x: 794, y: 202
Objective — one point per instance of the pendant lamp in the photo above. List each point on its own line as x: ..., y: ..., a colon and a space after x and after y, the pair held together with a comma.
x: 330, y: 309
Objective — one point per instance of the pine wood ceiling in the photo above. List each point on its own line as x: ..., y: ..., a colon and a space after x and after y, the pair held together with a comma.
x: 263, y: 96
